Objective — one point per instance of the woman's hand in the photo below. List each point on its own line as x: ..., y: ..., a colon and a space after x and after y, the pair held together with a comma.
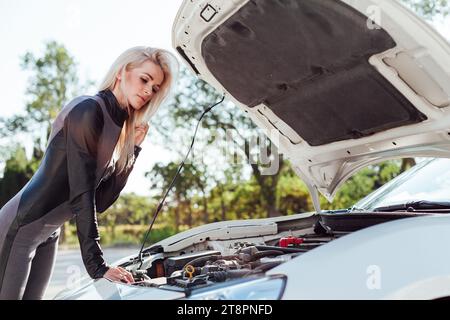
x: 140, y: 133
x: 119, y: 274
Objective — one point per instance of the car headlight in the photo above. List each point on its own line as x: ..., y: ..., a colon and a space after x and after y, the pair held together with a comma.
x: 268, y: 288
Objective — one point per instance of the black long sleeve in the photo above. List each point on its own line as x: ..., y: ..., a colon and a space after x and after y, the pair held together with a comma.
x: 109, y: 189
x: 83, y: 127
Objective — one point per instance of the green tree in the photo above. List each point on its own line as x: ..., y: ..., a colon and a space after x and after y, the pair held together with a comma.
x: 179, y: 119
x: 429, y: 9
x: 16, y: 174
x: 292, y: 194
x: 129, y: 209
x: 183, y: 190
x: 53, y: 81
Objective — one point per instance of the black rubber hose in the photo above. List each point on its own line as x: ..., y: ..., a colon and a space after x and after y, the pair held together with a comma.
x: 221, y: 276
x: 266, y: 253
x: 201, y: 260
x: 197, y: 262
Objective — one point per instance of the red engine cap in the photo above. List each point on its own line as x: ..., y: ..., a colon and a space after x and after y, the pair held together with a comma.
x: 289, y: 241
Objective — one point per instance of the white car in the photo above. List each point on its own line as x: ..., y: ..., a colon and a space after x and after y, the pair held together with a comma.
x: 342, y: 84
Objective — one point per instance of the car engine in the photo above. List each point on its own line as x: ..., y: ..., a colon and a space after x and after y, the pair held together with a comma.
x: 212, y: 262
x: 204, y: 268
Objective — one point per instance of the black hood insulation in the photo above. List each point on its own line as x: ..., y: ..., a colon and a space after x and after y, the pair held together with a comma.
x: 307, y: 60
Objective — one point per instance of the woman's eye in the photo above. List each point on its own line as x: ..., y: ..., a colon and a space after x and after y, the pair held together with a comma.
x: 144, y: 80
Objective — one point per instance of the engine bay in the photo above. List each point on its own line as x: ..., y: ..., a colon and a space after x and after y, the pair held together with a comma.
x: 197, y: 270
x: 217, y: 261
x: 188, y: 271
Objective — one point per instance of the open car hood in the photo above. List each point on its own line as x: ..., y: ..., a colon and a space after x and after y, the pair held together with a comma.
x: 336, y: 85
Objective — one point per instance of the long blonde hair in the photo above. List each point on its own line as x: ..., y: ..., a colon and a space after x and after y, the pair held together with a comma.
x: 132, y: 58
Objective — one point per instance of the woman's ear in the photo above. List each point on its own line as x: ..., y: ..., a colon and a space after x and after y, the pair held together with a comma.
x: 119, y: 74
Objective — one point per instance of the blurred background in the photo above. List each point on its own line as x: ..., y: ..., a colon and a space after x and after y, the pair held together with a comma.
x: 56, y: 50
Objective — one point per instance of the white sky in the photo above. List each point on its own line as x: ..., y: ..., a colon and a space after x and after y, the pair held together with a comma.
x: 95, y: 32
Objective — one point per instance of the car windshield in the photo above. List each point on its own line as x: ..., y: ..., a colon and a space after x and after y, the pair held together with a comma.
x: 427, y: 181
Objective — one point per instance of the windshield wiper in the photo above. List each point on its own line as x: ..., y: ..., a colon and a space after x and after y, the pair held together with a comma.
x: 353, y: 209
x: 415, y: 206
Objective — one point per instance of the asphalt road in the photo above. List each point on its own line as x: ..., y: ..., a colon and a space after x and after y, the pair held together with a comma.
x: 69, y: 267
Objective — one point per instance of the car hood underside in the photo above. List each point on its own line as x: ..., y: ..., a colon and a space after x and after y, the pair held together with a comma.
x: 319, y: 69
x: 334, y: 90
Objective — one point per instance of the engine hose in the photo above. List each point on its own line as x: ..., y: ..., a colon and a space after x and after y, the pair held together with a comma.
x: 266, y: 253
x: 201, y: 260
x: 285, y: 250
x: 254, y: 264
x: 221, y: 276
x: 198, y: 262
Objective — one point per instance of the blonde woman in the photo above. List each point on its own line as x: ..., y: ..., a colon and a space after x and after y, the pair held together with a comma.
x: 91, y: 151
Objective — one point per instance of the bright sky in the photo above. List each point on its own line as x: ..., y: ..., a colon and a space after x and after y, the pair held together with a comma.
x: 95, y: 32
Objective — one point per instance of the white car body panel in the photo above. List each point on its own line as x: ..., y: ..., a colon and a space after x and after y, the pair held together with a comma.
x: 103, y: 289
x: 401, y: 259
x: 227, y: 230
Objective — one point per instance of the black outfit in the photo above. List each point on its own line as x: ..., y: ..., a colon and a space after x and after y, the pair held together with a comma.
x: 75, y: 179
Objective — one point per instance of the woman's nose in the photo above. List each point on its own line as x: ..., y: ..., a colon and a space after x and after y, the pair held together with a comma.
x: 148, y: 92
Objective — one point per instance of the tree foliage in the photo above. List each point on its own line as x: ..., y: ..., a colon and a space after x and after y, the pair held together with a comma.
x: 429, y: 9
x: 16, y: 174
x: 178, y: 120
x: 52, y: 82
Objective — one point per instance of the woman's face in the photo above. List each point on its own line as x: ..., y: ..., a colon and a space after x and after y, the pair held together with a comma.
x: 142, y: 83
